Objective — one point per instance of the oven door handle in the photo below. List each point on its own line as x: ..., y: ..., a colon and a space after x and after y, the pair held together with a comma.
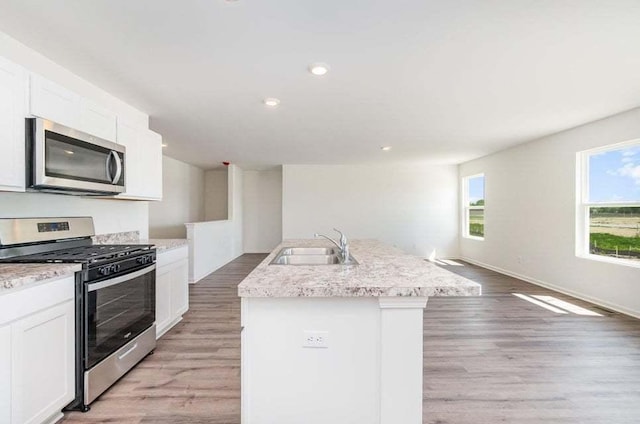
x: 121, y: 279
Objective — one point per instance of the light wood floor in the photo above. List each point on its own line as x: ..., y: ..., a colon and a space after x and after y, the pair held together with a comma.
x: 489, y: 359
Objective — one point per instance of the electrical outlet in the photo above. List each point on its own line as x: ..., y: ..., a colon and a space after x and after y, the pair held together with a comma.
x: 315, y: 339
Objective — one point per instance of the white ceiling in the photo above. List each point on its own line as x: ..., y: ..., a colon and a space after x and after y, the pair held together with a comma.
x: 440, y: 81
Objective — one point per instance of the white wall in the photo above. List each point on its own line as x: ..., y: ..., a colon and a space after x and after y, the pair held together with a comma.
x: 531, y: 213
x: 182, y: 200
x: 109, y: 215
x: 216, y: 194
x: 414, y: 207
x: 236, y: 207
x: 262, y: 218
x: 212, y: 244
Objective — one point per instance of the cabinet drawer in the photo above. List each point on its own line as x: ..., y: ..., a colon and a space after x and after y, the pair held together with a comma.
x: 24, y: 302
x: 173, y: 255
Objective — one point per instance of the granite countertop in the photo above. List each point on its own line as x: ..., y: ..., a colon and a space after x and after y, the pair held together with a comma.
x: 13, y: 276
x: 133, y: 237
x: 382, y: 271
x: 162, y: 245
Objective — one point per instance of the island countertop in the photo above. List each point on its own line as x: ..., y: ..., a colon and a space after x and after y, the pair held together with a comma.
x: 382, y: 271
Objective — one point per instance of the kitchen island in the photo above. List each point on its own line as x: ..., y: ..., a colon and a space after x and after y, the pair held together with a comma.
x: 338, y: 343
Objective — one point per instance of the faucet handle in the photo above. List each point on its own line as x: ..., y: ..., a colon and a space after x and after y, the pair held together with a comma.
x: 343, y: 238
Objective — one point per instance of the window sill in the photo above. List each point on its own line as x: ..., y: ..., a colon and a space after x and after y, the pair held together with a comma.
x: 610, y: 260
x: 473, y: 238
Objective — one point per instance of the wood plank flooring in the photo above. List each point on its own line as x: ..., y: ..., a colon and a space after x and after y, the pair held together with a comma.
x: 489, y: 359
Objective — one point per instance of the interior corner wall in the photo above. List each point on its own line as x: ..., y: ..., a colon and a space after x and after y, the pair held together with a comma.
x: 413, y: 207
x: 530, y: 215
x: 236, y: 177
x: 262, y: 210
x: 182, y: 200
x: 216, y: 194
x: 110, y: 216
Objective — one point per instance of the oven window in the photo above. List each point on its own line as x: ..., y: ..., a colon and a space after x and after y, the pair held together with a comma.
x: 116, y: 314
x: 68, y: 158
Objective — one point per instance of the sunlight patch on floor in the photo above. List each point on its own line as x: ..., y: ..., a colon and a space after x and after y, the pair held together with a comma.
x: 449, y: 262
x: 539, y: 303
x: 567, y: 306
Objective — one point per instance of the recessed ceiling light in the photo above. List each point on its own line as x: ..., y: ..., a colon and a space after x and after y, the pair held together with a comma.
x: 164, y: 144
x: 271, y: 101
x: 319, y: 69
x: 385, y: 148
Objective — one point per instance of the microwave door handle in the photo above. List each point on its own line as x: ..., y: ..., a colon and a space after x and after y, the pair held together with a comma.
x: 118, y: 167
x: 108, y: 166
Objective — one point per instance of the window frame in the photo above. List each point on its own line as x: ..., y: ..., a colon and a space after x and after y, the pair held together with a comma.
x: 584, y: 205
x: 466, y: 208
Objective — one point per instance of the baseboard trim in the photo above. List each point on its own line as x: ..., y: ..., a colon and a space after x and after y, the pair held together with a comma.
x: 586, y: 298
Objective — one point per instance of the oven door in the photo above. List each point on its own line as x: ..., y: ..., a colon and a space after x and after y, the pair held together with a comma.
x: 116, y: 311
x: 69, y: 160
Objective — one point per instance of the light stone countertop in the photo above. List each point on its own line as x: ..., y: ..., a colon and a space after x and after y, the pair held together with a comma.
x: 382, y: 271
x: 163, y: 245
x: 15, y: 276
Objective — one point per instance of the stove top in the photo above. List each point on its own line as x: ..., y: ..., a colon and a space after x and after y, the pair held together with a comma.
x: 91, y: 254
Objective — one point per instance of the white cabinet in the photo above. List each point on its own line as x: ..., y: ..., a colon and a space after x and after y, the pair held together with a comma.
x: 13, y: 89
x: 172, y: 288
x: 56, y: 103
x: 97, y: 120
x: 143, y: 162
x: 42, y: 363
x: 37, y: 339
x: 5, y: 374
x: 164, y: 281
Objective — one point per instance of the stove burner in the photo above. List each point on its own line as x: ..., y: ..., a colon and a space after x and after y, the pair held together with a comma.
x: 86, y: 254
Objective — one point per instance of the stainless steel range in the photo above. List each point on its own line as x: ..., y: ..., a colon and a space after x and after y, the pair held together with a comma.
x: 115, y: 295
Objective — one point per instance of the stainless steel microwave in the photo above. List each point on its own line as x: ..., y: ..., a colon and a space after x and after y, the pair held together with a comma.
x: 63, y: 160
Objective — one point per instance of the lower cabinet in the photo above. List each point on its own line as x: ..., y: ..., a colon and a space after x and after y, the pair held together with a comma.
x: 37, y: 372
x: 172, y: 288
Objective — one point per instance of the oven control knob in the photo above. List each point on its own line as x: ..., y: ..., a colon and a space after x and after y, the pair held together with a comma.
x: 104, y: 270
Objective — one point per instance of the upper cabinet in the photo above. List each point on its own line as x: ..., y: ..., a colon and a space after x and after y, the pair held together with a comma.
x: 13, y: 94
x: 97, y: 120
x: 24, y: 94
x: 54, y: 102
x: 143, y: 162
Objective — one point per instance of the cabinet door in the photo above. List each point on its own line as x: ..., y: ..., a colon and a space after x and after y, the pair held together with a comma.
x: 163, y: 300
x: 13, y: 86
x: 128, y: 136
x: 97, y: 120
x: 180, y: 289
x: 152, y: 160
x: 42, y: 363
x: 54, y: 102
x: 143, y: 162
x: 5, y: 374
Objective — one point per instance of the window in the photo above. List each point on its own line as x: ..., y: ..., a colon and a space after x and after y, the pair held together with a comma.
x: 609, y: 208
x: 473, y: 206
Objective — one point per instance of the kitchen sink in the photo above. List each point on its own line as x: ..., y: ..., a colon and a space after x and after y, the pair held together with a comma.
x: 306, y: 260
x: 308, y: 251
x: 310, y: 256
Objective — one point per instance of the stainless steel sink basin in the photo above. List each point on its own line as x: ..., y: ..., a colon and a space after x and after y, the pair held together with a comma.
x: 310, y: 256
x: 308, y: 251
x: 306, y: 260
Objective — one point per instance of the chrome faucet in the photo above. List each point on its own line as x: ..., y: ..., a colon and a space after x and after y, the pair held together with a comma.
x: 343, y: 245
